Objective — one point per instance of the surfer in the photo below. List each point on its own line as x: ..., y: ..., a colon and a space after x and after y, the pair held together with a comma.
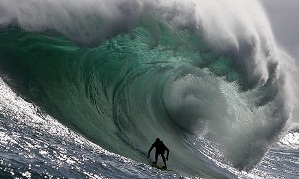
x: 160, y: 150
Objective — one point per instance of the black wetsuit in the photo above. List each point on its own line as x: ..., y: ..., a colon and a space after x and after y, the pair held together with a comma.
x: 160, y: 147
x: 160, y: 150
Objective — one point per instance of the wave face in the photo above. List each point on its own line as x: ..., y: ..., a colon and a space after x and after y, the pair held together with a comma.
x: 123, y: 73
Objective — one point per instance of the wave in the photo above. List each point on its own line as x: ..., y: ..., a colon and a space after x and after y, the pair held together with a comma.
x: 123, y: 73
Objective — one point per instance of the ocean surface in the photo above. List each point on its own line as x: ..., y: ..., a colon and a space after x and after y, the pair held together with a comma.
x: 86, y: 86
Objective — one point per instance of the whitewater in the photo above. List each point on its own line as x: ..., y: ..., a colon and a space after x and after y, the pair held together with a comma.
x: 87, y: 86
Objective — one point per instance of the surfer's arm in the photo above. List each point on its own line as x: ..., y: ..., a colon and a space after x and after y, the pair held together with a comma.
x: 167, y: 150
x: 150, y: 150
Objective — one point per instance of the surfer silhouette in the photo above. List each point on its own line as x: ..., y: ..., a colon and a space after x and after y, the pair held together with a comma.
x: 160, y: 150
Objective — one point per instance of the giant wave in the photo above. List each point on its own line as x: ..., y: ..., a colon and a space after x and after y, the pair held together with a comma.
x: 125, y: 72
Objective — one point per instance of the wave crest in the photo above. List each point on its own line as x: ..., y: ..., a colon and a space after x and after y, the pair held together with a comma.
x: 206, y: 67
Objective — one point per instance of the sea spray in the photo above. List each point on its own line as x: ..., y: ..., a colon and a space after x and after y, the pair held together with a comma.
x: 120, y: 72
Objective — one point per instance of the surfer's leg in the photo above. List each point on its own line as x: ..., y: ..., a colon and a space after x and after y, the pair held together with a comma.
x: 156, y: 157
x: 164, y: 160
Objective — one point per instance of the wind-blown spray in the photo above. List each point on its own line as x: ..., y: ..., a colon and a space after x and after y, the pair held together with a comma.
x: 119, y: 71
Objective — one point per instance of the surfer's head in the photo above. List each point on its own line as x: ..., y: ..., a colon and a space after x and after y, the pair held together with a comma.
x: 158, y: 140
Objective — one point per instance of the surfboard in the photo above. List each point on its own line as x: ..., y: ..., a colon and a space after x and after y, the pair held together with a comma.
x: 161, y: 167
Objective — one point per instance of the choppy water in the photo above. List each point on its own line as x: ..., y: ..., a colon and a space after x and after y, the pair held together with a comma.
x: 102, y: 79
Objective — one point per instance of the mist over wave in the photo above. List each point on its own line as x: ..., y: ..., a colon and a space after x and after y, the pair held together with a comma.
x: 125, y: 72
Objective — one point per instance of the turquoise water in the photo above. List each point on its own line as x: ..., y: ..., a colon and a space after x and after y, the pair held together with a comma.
x: 218, y: 103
